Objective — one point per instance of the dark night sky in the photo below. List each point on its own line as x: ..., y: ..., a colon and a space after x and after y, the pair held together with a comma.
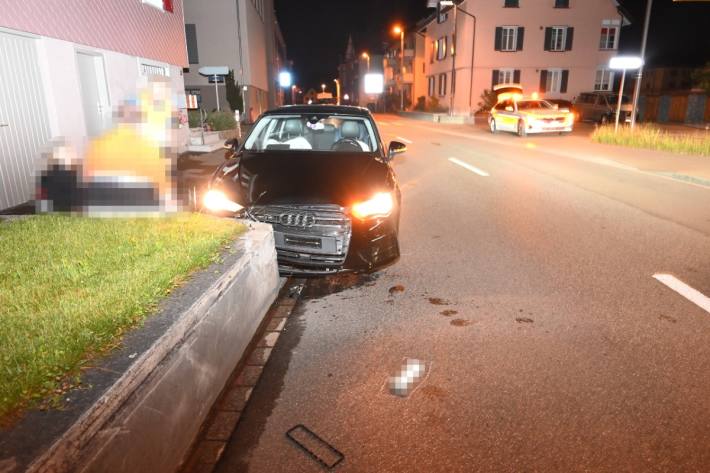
x: 316, y: 31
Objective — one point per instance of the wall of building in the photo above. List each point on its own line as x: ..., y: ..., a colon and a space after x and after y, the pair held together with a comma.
x: 582, y: 61
x: 127, y: 26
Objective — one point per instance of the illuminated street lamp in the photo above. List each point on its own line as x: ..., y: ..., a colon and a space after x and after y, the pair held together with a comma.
x: 367, y: 56
x: 322, y: 86
x: 623, y: 63
x: 293, y: 94
x: 399, y: 30
x: 337, y: 91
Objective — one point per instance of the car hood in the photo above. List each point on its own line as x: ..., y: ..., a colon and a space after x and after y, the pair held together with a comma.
x: 310, y: 178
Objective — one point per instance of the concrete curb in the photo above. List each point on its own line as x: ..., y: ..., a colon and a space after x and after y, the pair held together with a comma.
x: 147, y: 420
x: 444, y: 118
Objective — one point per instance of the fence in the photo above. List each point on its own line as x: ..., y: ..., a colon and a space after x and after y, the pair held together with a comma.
x: 684, y: 107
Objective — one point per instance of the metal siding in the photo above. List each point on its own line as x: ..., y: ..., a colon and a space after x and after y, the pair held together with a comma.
x: 23, y: 107
x: 126, y: 26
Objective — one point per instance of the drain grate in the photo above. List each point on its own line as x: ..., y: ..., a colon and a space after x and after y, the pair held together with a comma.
x: 317, y: 448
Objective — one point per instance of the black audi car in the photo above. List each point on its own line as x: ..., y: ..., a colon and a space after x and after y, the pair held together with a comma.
x: 320, y: 175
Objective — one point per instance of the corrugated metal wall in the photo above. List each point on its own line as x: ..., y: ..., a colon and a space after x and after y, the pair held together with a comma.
x: 24, y: 127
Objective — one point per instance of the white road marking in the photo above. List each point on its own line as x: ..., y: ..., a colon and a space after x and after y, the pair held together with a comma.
x: 469, y: 167
x: 404, y: 140
x: 383, y: 123
x: 693, y: 295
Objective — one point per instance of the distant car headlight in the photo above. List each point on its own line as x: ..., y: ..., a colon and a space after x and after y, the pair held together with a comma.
x: 380, y: 205
x: 217, y: 201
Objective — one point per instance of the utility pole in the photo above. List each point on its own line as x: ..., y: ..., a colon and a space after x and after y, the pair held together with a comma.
x: 637, y: 86
x: 454, y: 51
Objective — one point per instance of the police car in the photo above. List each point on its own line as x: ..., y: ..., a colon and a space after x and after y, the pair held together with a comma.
x: 521, y: 115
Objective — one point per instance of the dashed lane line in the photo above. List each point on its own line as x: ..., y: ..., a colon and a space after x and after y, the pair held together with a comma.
x: 473, y: 169
x: 693, y: 295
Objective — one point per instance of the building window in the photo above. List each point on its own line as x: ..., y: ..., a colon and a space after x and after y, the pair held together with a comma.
x: 153, y: 70
x: 505, y: 76
x: 442, y: 85
x: 604, y: 79
x: 441, y: 48
x: 432, y: 86
x: 554, y: 80
x: 511, y: 4
x: 165, y: 5
x: 197, y: 93
x: 507, y: 39
x: 610, y: 36
x: 558, y: 38
x: 191, y: 39
x: 561, y: 3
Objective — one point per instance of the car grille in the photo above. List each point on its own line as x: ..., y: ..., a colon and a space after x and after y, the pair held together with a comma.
x: 308, y: 236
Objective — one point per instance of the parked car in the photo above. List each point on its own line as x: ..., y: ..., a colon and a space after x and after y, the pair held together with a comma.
x: 563, y: 104
x: 322, y: 178
x: 600, y: 107
x: 522, y: 115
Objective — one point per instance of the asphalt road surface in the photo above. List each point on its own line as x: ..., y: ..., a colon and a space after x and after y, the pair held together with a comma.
x: 527, y: 286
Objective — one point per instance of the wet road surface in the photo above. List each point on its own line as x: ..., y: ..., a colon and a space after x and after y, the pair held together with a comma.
x: 529, y: 291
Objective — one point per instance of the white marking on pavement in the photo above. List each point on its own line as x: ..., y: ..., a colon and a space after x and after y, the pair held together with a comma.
x: 404, y: 140
x: 384, y: 123
x: 469, y: 167
x: 693, y: 295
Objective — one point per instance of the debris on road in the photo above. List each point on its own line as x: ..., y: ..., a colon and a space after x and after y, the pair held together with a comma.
x: 317, y: 448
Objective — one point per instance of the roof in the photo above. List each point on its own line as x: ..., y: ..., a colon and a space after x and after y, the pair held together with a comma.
x: 329, y: 109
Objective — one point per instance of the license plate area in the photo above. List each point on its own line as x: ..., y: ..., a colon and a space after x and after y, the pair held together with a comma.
x: 315, y: 243
x: 308, y: 243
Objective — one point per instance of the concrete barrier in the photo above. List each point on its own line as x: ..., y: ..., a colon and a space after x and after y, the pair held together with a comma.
x: 438, y: 117
x: 147, y: 419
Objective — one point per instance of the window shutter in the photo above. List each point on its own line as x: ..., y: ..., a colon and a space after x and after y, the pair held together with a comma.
x: 168, y: 5
x: 516, y: 76
x: 521, y: 34
x: 494, y: 80
x: 191, y: 39
x: 543, y: 80
x: 548, y: 38
x: 570, y: 36
x: 499, y: 38
x: 565, y: 79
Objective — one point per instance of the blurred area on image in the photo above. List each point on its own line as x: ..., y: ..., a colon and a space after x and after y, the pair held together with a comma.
x: 127, y: 171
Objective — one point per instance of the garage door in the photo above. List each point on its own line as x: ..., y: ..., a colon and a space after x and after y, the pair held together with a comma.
x: 24, y: 127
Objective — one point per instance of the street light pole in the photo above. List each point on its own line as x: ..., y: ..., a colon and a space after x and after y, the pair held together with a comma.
x: 216, y: 90
x: 453, y: 61
x: 618, y: 105
x: 401, y: 79
x: 637, y: 86
x: 367, y: 57
x: 337, y: 91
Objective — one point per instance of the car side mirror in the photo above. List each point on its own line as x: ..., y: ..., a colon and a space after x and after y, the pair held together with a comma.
x: 508, y: 108
x: 231, y: 143
x: 395, y: 148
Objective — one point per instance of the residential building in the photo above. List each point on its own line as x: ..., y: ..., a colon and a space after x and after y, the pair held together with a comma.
x: 558, y: 48
x: 351, y: 74
x: 244, y: 36
x: 66, y: 67
x: 408, y: 77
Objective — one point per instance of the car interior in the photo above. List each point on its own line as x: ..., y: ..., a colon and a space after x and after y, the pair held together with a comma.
x: 335, y: 134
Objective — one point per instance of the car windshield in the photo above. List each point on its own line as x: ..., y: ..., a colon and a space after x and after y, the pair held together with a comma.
x: 530, y: 104
x: 312, y: 132
x: 614, y: 99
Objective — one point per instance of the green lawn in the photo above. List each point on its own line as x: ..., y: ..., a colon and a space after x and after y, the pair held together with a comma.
x: 70, y: 286
x: 650, y: 137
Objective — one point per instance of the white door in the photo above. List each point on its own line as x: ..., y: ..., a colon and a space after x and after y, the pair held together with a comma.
x: 24, y: 126
x: 94, y: 93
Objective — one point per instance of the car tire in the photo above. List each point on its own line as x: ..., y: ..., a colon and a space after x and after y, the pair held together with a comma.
x: 521, y: 129
x: 492, y: 126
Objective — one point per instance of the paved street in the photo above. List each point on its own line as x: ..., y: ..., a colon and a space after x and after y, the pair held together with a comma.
x: 527, y: 285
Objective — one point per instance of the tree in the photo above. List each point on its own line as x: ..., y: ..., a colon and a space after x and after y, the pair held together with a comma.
x: 488, y: 100
x: 234, y: 93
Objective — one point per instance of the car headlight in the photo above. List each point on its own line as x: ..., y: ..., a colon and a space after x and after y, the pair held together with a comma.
x: 217, y: 201
x: 380, y: 205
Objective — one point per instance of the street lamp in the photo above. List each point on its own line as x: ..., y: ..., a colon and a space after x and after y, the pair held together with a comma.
x: 399, y: 30
x: 293, y: 94
x: 623, y: 63
x: 367, y: 56
x: 322, y: 86
x: 637, y: 86
x: 337, y: 91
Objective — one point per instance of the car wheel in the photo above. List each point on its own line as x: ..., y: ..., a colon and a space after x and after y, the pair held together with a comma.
x: 493, y: 126
x: 521, y: 129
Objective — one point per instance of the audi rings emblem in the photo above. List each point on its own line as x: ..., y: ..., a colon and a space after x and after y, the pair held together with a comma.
x: 297, y: 220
